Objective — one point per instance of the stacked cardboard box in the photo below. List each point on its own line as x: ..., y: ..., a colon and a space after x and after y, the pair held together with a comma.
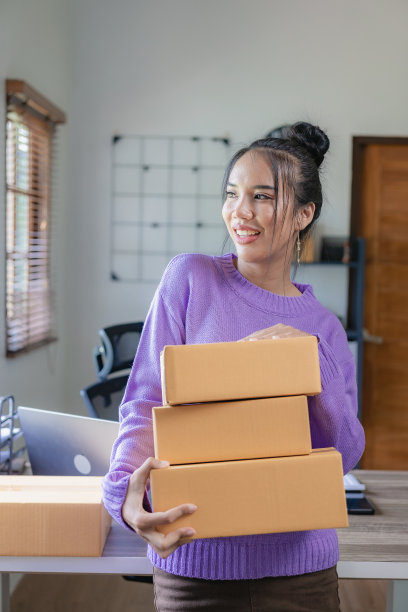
x: 234, y: 426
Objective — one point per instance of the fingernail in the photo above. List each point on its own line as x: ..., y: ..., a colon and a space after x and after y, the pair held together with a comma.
x: 164, y: 463
x: 193, y: 507
x: 190, y: 532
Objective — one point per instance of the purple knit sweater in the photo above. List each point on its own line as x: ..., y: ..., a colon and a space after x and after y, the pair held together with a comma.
x: 204, y: 299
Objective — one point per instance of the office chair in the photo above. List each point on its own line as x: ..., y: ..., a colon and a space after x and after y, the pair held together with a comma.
x: 117, y: 349
x: 102, y: 399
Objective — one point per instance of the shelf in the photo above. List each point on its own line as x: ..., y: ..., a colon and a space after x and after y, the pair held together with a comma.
x: 349, y: 264
x: 355, y: 312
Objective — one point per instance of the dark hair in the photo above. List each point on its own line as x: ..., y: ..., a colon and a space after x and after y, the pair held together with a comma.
x: 295, y: 160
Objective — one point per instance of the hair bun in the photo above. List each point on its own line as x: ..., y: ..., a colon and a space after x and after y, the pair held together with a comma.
x: 311, y: 138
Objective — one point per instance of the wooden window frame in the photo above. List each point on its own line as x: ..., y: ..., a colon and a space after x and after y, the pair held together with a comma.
x: 29, y: 111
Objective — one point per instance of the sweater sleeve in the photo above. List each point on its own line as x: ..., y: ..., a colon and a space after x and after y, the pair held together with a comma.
x: 143, y: 391
x: 333, y: 413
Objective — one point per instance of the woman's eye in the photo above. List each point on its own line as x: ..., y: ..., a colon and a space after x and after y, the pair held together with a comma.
x: 230, y: 194
x: 263, y: 196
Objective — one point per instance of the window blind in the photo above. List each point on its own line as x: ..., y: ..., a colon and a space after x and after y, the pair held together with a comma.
x: 29, y: 137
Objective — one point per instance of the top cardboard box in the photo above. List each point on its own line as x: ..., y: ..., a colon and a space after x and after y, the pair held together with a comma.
x: 194, y: 373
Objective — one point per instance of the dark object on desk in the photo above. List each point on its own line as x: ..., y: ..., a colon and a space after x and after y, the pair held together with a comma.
x: 335, y: 249
x: 102, y: 399
x: 117, y: 349
x: 357, y: 503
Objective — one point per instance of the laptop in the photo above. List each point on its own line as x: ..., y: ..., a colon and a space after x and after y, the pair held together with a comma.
x: 60, y: 444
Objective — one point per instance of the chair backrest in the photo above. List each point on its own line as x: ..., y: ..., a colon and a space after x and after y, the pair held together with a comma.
x: 117, y: 349
x: 103, y: 398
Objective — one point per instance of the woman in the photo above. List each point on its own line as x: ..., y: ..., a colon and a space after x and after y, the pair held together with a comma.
x: 272, y: 197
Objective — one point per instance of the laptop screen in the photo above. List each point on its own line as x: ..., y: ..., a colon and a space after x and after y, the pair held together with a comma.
x: 60, y: 444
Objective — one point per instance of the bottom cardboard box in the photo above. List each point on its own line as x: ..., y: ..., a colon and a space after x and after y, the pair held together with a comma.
x: 255, y: 496
x: 52, y: 516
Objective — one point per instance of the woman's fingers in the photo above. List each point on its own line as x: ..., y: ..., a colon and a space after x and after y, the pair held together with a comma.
x: 166, y: 544
x: 150, y: 520
x: 145, y: 523
x: 133, y: 504
x: 139, y: 478
x: 276, y: 331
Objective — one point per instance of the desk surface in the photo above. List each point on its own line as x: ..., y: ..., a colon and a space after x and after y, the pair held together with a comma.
x: 376, y: 546
x: 384, y: 535
x: 373, y: 546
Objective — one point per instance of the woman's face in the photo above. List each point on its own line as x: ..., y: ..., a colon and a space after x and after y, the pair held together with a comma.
x: 262, y: 228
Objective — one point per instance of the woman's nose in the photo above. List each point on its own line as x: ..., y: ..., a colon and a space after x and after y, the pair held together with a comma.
x: 243, y: 209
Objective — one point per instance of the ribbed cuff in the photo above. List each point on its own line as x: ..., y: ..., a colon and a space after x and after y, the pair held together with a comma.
x: 114, y: 494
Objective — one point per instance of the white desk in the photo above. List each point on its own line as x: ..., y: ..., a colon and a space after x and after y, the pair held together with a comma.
x: 372, y: 547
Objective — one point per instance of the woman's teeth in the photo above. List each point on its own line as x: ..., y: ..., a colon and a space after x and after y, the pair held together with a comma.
x: 246, y: 232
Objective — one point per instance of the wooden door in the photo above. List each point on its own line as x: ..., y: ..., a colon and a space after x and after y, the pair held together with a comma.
x: 380, y: 214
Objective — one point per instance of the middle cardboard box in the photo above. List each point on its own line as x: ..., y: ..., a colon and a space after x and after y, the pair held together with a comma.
x: 224, y: 431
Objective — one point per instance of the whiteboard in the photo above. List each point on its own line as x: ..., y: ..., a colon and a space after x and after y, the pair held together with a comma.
x: 166, y: 199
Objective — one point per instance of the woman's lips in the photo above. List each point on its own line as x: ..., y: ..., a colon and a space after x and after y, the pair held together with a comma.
x: 245, y: 235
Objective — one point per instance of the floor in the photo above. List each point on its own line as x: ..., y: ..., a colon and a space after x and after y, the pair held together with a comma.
x: 79, y: 593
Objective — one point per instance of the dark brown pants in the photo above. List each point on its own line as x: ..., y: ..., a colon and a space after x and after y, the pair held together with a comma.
x: 315, y: 592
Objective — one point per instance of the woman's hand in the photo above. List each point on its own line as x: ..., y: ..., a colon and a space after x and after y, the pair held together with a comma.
x: 276, y: 331
x: 144, y: 523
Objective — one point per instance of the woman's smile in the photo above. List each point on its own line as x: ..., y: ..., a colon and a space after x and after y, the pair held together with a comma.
x: 245, y: 234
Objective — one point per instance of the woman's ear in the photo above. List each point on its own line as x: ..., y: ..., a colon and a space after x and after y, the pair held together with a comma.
x: 305, y: 216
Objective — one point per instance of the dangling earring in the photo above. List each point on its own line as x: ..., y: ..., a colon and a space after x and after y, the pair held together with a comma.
x: 298, y: 248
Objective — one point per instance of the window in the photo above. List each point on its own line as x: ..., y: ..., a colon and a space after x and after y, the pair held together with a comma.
x: 31, y: 123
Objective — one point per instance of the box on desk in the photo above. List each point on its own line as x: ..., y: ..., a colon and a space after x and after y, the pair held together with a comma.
x: 249, y: 429
x: 255, y: 496
x: 194, y: 373
x: 56, y: 516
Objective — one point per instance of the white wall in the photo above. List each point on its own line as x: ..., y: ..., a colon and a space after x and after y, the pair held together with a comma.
x: 35, y: 40
x: 234, y: 67
x: 183, y: 67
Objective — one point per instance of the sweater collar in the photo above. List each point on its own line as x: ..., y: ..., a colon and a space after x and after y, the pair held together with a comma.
x: 261, y: 298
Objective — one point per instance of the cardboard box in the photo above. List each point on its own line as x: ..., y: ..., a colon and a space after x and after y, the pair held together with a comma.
x: 255, y: 496
x: 193, y: 373
x: 61, y: 516
x: 222, y: 431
